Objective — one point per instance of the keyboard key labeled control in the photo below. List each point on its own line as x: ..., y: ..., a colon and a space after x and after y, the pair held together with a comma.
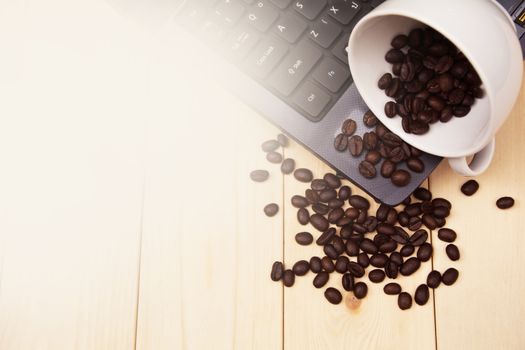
x: 324, y: 32
x: 343, y: 11
x: 309, y: 8
x: 282, y: 4
x: 331, y: 74
x: 311, y: 99
x: 263, y: 59
x: 262, y: 15
x: 290, y: 27
x: 295, y: 67
x: 339, y: 49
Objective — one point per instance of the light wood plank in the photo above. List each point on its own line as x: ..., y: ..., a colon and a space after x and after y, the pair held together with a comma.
x: 373, y: 323
x: 485, y: 309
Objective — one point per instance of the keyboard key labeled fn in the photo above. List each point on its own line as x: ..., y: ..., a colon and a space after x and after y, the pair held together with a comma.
x: 311, y: 99
x: 331, y: 74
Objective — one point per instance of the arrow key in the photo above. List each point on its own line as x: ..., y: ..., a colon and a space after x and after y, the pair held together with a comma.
x: 290, y: 27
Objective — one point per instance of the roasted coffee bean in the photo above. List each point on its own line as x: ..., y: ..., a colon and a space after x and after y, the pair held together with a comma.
x: 326, y: 237
x: 429, y: 221
x: 388, y: 247
x: 416, y: 164
x: 287, y: 166
x: 415, y: 38
x: 369, y: 119
x: 376, y: 276
x: 352, y: 213
x: 404, y: 301
x: 355, y: 145
x: 382, y: 212
x: 413, y: 209
x: 385, y: 229
x: 352, y: 248
x: 450, y: 276
x: 301, y: 268
x: 392, y: 288
x: 378, y: 260
x: 434, y: 279
x: 318, y: 185
x: 304, y: 238
x: 327, y: 195
x: 400, y: 177
x: 441, y: 202
x: 391, y: 218
x: 380, y: 239
x: 407, y: 250
x: 332, y: 180
x: 349, y: 127
x: 271, y: 209
x: 419, y: 237
x: 422, y: 194
x: 346, y: 230
x: 274, y: 157
x: 363, y: 260
x: 330, y: 251
x: 390, y: 109
x: 428, y: 208
x: 505, y: 202
x: 339, y: 245
x: 367, y: 169
x: 311, y: 196
x: 456, y: 96
x: 399, y: 41
x: 446, y: 82
x: 343, y: 221
x: 344, y: 193
x: 422, y: 294
x: 328, y: 264
x: 403, y: 218
x: 387, y: 168
x: 394, y: 87
x: 315, y: 264
x: 444, y: 64
x: 396, y: 69
x: 397, y: 258
x: 407, y: 72
x: 288, y: 278
x: 259, y: 175
x: 341, y: 264
x: 370, y: 140
x: 283, y: 140
x: 348, y: 282
x: 391, y: 269
x: 424, y: 253
x: 319, y: 222
x: 320, y: 208
x: 368, y: 246
x: 452, y: 252
x: 277, y: 271
x: 303, y: 175
x: 414, y: 223
x: 460, y: 111
x: 360, y: 290
x: 303, y: 216
x: 270, y: 145
x: 410, y: 266
x: 391, y: 140
x: 335, y: 203
x: 394, y: 56
x: 355, y: 269
x: 385, y: 81
x: 299, y: 201
x: 447, y: 235
x: 321, y: 279
x: 359, y: 202
x: 335, y: 215
x: 370, y: 223
x: 440, y: 213
x: 440, y: 222
x: 418, y: 127
x: 333, y: 295
x: 396, y: 154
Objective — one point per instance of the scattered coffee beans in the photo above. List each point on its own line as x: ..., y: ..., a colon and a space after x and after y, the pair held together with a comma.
x: 452, y: 252
x: 422, y: 294
x: 434, y: 279
x: 333, y: 295
x: 404, y: 301
x: 304, y: 238
x: 321, y: 279
x: 360, y: 290
x: 301, y: 268
x: 450, y: 276
x: 259, y: 175
x: 470, y: 187
x: 303, y: 175
x: 505, y: 202
x: 447, y: 235
x: 277, y: 271
x: 271, y: 209
x: 392, y: 288
x: 288, y: 278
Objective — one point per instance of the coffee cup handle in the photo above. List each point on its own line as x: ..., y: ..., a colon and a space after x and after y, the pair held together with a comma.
x: 479, y: 164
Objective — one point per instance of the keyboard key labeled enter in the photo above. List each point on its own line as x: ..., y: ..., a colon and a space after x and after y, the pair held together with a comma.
x: 331, y: 74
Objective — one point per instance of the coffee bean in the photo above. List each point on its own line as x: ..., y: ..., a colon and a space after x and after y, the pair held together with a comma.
x: 336, y: 203
x: 415, y: 164
x: 303, y: 175
x: 410, y: 266
x: 370, y: 140
x: 315, y: 264
x: 319, y: 185
x: 283, y: 140
x: 385, y: 81
x: 404, y: 301
x: 303, y: 216
x: 505, y: 202
x: 274, y: 157
x: 332, y: 180
x: 400, y: 177
x: 434, y: 279
x: 424, y: 253
x: 327, y: 264
x: 359, y: 202
x: 395, y: 85
x: 355, y: 269
x: 429, y: 221
x: 382, y: 212
x: 363, y: 260
x: 394, y: 56
x: 348, y: 282
x: 415, y: 38
x: 391, y: 269
x: 407, y: 250
x: 456, y: 96
x: 367, y: 169
x: 450, y: 276
x: 327, y: 195
x: 321, y: 279
x: 312, y: 196
x: 352, y: 248
x: 368, y: 246
x: 414, y: 223
x: 452, y: 252
x: 287, y: 166
x: 441, y: 202
x: 397, y: 258
x: 399, y: 41
x: 355, y: 145
x: 391, y: 218
x: 299, y: 201
x: 319, y: 222
x: 378, y: 260
x: 446, y: 82
x: 369, y: 118
x: 341, y: 142
x: 271, y: 209
x: 344, y: 193
x: 259, y: 175
x: 360, y: 290
x: 288, y: 278
x: 390, y: 109
x: 339, y: 245
x: 376, y: 276
x: 301, y: 268
x: 422, y: 294
x: 326, y: 237
x: 270, y: 145
x: 392, y: 288
x: 349, y: 127
x: 422, y: 194
x: 320, y: 208
x: 370, y: 223
x: 419, y: 237
x: 388, y: 247
x: 386, y: 229
x: 333, y: 295
x: 304, y: 238
x: 461, y: 111
x: 341, y: 264
x: 447, y: 235
x: 388, y: 168
x: 330, y: 251
x: 277, y: 271
x: 413, y: 209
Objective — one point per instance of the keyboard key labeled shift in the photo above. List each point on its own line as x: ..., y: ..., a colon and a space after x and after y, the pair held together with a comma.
x: 295, y: 67
x: 262, y: 15
x: 331, y: 74
x: 263, y: 59
x: 311, y: 99
x: 290, y: 27
x: 309, y: 8
x: 343, y: 10
x: 324, y: 32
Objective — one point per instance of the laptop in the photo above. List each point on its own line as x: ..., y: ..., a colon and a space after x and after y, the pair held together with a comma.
x: 259, y: 42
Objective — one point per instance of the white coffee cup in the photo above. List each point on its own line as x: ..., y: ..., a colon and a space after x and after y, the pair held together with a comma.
x: 486, y: 35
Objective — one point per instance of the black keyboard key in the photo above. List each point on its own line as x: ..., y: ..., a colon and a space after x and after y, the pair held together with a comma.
x: 343, y: 10
x: 295, y: 67
x: 331, y: 74
x: 309, y: 8
x: 263, y: 59
x: 339, y: 49
x: 324, y: 32
x: 229, y: 11
x: 240, y: 42
x: 311, y: 99
x: 290, y: 27
x: 262, y: 15
x: 281, y: 3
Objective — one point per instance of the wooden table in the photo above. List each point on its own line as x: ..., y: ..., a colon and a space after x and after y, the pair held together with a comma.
x: 128, y: 220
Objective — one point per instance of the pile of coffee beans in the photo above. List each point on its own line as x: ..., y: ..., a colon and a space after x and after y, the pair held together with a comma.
x: 379, y: 144
x: 431, y: 81
x: 359, y: 244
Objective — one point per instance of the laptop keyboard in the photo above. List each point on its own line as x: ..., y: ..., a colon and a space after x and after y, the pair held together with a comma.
x: 294, y: 48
